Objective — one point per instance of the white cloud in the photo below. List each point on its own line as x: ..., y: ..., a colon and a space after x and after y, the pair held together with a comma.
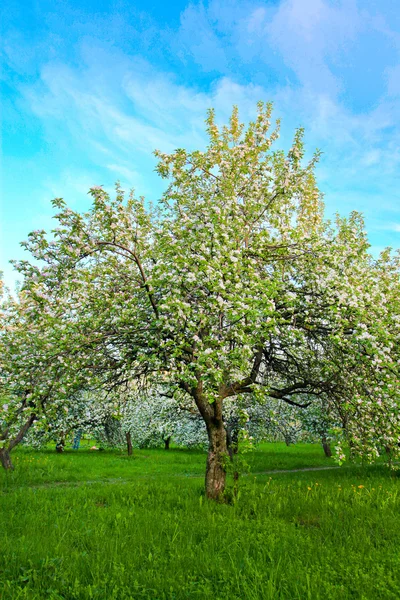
x: 150, y: 110
x: 393, y: 80
x: 389, y: 227
x: 309, y: 35
x: 103, y: 118
x: 373, y: 157
x: 127, y: 174
x: 119, y: 121
x: 198, y: 37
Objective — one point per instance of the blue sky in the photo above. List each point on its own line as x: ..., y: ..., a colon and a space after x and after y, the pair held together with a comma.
x: 89, y: 89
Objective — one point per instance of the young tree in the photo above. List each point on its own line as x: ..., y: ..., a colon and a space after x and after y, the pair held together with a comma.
x: 39, y: 380
x: 235, y: 285
x: 28, y: 372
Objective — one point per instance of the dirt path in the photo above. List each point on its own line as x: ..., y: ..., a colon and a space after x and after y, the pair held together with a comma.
x: 303, y: 470
x: 116, y: 480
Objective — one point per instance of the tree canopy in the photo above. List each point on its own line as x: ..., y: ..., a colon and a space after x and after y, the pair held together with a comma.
x: 233, y: 284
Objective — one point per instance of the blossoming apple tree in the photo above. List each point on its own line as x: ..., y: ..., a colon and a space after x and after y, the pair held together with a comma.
x: 234, y: 284
x: 34, y: 381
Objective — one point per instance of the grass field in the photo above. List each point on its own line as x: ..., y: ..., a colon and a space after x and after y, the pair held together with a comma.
x: 99, y: 525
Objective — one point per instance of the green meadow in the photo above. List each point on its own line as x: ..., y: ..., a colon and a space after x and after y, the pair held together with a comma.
x: 101, y: 525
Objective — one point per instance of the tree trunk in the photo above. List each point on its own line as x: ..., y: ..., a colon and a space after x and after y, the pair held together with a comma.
x: 217, y: 443
x: 216, y: 460
x: 77, y: 440
x: 5, y: 459
x: 327, y: 447
x: 129, y: 443
x: 233, y: 449
x: 166, y: 442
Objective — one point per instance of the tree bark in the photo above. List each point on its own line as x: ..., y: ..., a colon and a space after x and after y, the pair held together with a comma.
x: 327, y: 447
x: 166, y: 442
x: 216, y: 460
x: 129, y: 443
x: 5, y: 459
x: 218, y: 456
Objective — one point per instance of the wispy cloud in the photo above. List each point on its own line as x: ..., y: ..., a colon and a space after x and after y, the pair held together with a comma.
x: 91, y: 108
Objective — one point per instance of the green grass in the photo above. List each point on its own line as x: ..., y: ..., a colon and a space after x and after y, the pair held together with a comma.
x: 142, y: 529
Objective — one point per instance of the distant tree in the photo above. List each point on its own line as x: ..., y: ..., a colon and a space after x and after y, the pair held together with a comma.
x: 322, y: 423
x: 34, y: 383
x: 150, y: 418
x: 81, y: 413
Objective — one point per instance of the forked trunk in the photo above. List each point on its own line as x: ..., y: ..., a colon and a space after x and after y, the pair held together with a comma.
x: 327, y: 447
x: 217, y: 457
x: 5, y: 459
x: 129, y: 443
x: 216, y: 460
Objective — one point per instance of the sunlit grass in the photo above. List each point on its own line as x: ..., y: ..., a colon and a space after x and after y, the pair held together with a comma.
x: 144, y: 529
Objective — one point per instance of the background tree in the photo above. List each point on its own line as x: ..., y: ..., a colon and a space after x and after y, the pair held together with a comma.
x: 152, y: 418
x: 30, y: 372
